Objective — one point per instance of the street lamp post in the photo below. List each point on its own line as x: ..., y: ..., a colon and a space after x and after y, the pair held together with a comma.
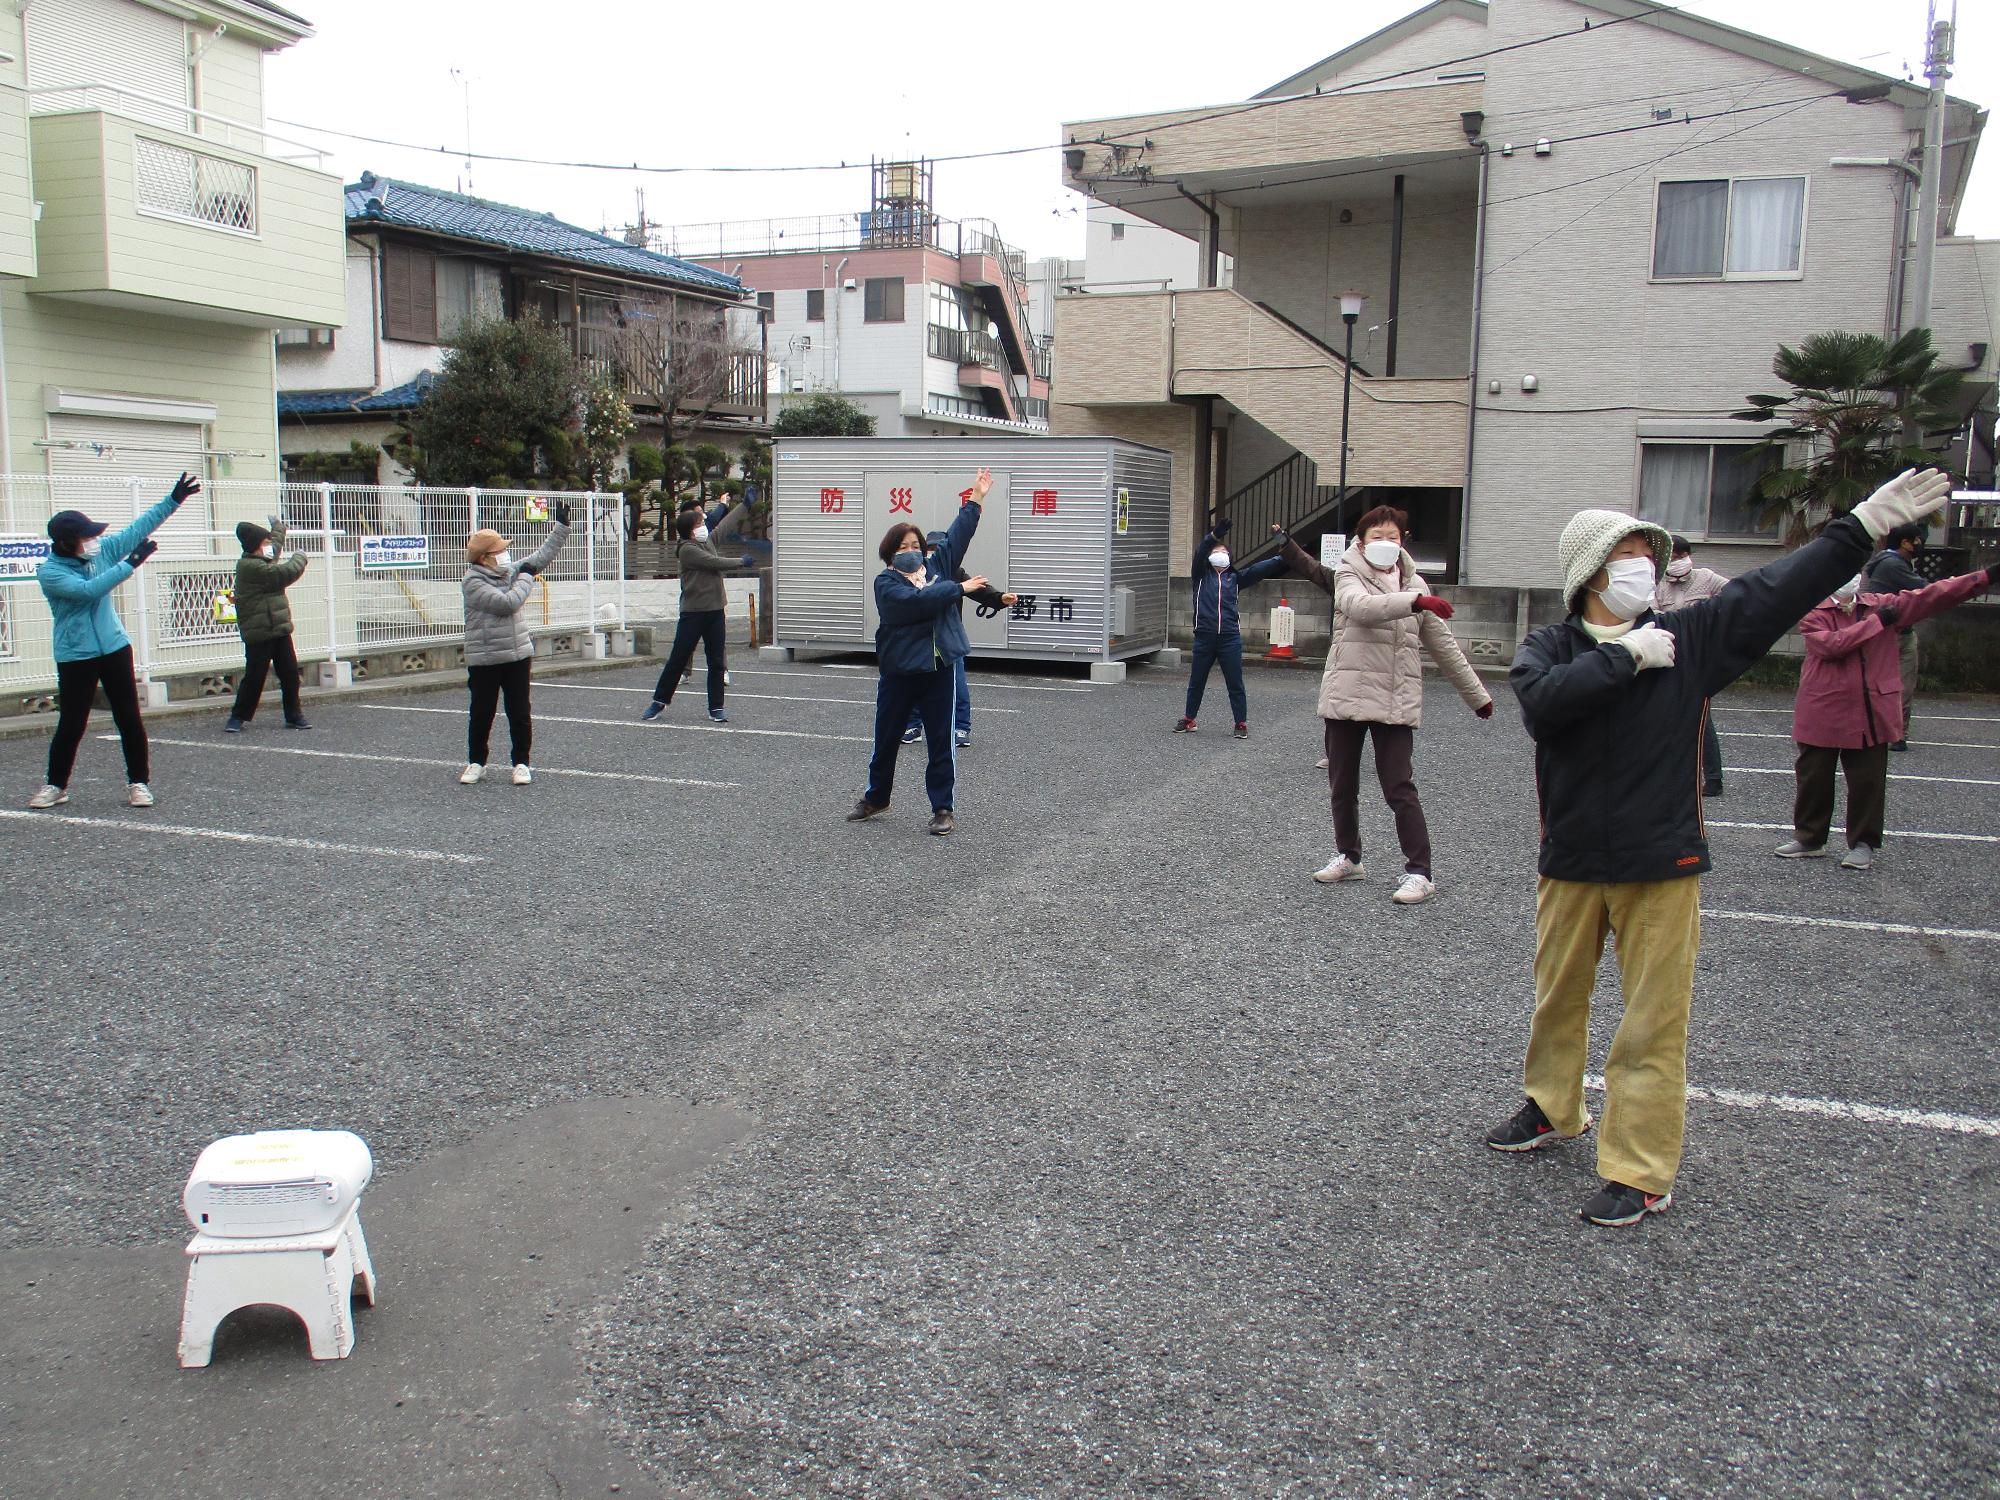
x: 1350, y: 309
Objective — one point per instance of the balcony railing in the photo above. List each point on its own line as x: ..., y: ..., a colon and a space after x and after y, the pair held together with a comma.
x: 151, y: 109
x: 856, y: 231
x: 176, y: 183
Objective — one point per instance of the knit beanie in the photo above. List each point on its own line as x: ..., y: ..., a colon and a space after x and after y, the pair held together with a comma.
x: 1587, y: 542
x: 484, y: 542
x: 251, y: 535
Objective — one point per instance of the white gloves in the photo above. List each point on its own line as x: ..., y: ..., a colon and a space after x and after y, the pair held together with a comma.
x: 1910, y: 496
x: 1650, y: 646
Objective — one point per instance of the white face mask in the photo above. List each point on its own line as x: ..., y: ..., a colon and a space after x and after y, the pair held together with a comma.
x: 503, y: 560
x: 1383, y: 554
x: 1218, y: 559
x: 1628, y: 593
x: 88, y: 548
x: 267, y: 550
x: 700, y: 533
x: 1680, y: 567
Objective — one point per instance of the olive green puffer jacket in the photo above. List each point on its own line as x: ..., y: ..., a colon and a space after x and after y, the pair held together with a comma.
x: 263, y: 613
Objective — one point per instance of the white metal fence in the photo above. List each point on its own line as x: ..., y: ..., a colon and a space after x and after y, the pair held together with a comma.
x: 385, y: 570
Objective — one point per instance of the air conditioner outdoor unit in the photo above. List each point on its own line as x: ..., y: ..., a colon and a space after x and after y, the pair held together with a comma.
x: 847, y: 285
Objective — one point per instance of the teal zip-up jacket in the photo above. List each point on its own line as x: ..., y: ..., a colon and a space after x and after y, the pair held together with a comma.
x: 79, y: 591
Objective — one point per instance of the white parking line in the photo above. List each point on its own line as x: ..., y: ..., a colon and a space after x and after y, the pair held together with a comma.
x: 839, y: 673
x: 786, y: 734
x: 411, y: 760
x: 1893, y: 776
x: 600, y: 687
x: 232, y: 836
x: 1758, y: 734
x: 1832, y: 1109
x: 1895, y: 833
x: 1906, y: 929
x: 1725, y: 708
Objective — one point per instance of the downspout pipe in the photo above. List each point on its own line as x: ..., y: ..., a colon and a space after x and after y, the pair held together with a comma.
x: 1472, y: 381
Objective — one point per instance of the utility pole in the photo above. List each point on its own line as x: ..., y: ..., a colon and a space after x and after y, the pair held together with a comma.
x: 1937, y: 68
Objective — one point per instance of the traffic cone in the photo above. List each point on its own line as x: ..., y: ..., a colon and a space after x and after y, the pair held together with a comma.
x: 1282, y: 629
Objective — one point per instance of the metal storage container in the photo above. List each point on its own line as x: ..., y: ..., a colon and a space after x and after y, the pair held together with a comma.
x: 1076, y: 526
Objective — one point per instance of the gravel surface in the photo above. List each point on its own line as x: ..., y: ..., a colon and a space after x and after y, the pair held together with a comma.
x: 1100, y: 1152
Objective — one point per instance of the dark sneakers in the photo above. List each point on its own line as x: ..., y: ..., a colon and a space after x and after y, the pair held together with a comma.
x: 1186, y: 726
x: 1242, y: 730
x: 1528, y: 1129
x: 1617, y: 1205
x: 863, y: 810
x: 298, y: 723
x: 942, y: 822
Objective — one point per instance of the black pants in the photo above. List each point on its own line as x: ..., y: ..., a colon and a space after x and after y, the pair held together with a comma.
x: 1711, y: 753
x: 1393, y: 746
x: 930, y: 694
x: 258, y: 657
x: 1867, y: 794
x: 489, y: 684
x: 77, y: 683
x: 703, y: 626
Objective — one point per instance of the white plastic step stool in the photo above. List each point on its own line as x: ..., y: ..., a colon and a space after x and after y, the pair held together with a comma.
x: 278, y: 1221
x: 314, y: 1275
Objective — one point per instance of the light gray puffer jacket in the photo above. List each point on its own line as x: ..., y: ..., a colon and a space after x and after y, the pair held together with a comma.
x: 495, y: 631
x: 1375, y: 671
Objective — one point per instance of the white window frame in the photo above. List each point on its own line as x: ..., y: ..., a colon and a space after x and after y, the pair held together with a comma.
x: 1773, y: 538
x: 1732, y: 178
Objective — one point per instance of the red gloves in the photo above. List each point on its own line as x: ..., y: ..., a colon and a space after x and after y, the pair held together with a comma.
x: 1439, y: 607
x: 1485, y: 710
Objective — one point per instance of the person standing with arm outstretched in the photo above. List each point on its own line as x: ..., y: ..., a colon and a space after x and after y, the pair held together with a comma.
x: 264, y: 620
x: 91, y: 648
x: 1217, y: 640
x: 1893, y: 570
x: 1613, y: 698
x: 499, y: 651
x: 1385, y: 620
x: 917, y: 603
x: 1850, y: 710
x: 704, y: 603
x: 954, y: 621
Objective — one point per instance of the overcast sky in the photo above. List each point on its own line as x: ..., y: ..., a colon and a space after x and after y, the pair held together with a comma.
x: 783, y: 84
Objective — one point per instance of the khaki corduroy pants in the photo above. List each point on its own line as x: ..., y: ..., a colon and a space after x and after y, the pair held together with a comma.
x: 1657, y: 924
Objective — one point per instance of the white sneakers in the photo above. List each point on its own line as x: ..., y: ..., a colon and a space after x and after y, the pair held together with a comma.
x: 473, y: 773
x: 137, y: 794
x: 1321, y: 764
x: 1340, y: 868
x: 1414, y: 890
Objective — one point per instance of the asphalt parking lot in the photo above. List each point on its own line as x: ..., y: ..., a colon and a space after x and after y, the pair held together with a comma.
x: 724, y: 1148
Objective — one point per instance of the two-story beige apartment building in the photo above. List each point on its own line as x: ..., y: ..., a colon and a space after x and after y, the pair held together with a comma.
x: 1581, y: 232
x: 152, y: 238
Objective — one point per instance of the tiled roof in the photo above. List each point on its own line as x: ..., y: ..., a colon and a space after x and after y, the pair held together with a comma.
x: 332, y: 403
x: 316, y: 403
x: 385, y: 200
x: 401, y: 398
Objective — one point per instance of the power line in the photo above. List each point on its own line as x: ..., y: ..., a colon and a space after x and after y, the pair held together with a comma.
x: 1586, y: 29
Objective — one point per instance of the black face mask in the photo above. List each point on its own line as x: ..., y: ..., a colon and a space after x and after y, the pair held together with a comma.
x: 907, y: 562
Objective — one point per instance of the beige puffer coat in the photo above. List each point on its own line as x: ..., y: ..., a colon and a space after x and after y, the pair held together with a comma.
x: 1374, y: 673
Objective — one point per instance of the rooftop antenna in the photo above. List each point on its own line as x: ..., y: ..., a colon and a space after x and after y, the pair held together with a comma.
x: 465, y: 84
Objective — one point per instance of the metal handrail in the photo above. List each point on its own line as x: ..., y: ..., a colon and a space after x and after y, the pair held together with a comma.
x: 1287, y: 494
x: 120, y: 93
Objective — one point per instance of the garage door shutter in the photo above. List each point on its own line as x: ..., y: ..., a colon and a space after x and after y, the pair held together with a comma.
x: 155, y: 453
x: 112, y: 42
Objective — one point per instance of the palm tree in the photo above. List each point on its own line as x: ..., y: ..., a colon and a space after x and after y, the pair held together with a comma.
x: 1863, y: 408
